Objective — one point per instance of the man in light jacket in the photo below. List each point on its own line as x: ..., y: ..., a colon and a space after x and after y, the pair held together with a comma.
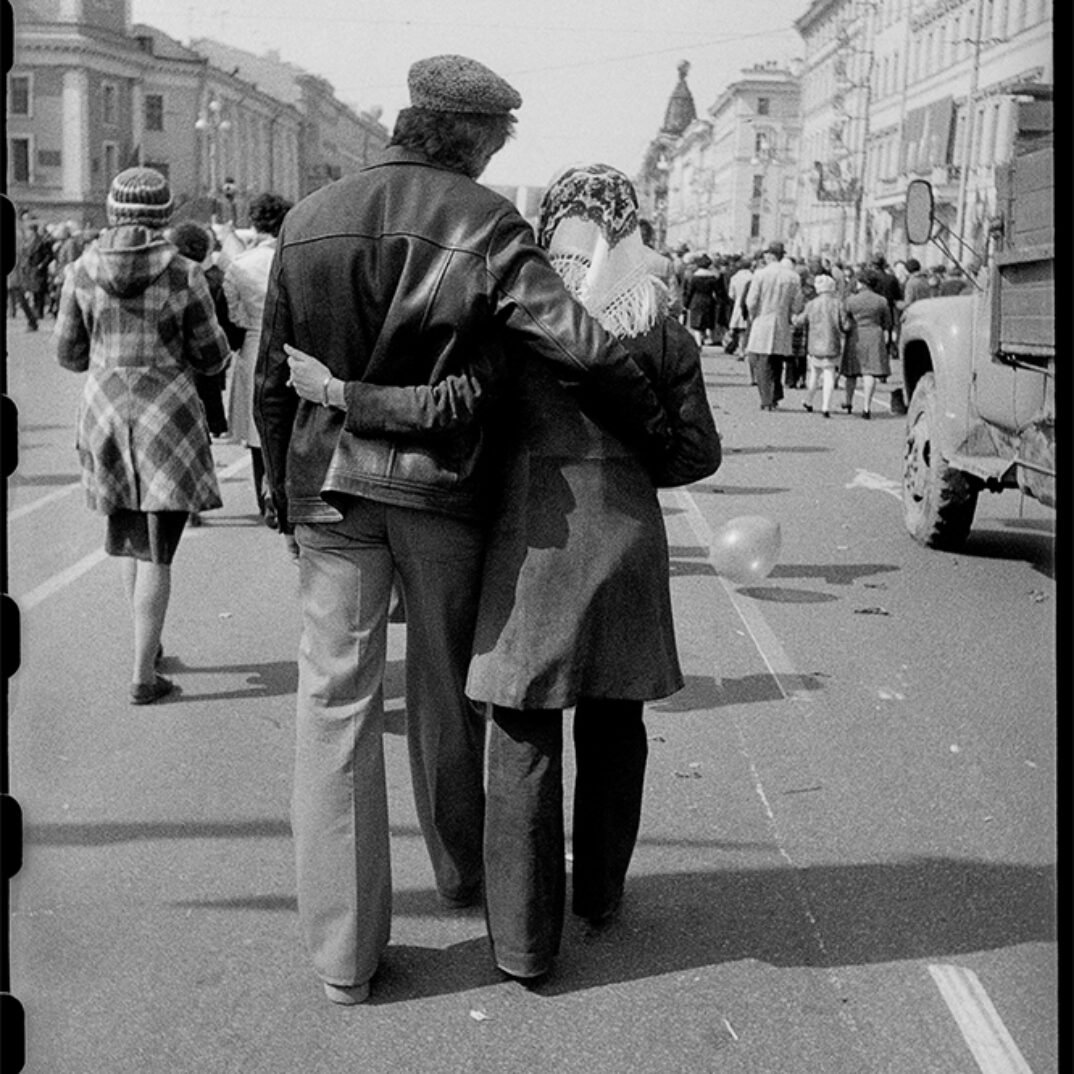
x: 773, y: 298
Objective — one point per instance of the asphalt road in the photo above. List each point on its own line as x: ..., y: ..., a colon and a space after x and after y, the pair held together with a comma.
x: 847, y: 856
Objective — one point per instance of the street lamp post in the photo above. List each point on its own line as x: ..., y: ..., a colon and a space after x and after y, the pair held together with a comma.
x: 212, y: 124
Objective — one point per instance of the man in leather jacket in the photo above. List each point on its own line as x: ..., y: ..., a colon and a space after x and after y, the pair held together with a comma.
x: 408, y: 273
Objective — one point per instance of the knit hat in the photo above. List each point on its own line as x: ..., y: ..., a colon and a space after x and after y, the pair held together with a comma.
x: 457, y: 84
x: 140, y: 196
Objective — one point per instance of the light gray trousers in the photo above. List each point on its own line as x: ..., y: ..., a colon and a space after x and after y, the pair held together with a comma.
x: 339, y: 806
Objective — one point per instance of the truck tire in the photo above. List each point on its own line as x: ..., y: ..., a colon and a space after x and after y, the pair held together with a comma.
x: 938, y: 501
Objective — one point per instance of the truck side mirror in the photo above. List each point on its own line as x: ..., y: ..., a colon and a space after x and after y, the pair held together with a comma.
x: 919, y: 212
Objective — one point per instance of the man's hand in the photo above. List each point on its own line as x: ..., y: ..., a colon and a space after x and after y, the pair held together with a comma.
x: 308, y: 375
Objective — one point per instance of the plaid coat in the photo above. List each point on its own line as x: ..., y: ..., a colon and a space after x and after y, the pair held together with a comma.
x: 140, y: 318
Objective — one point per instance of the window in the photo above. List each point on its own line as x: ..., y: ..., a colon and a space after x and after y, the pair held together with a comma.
x: 760, y: 143
x: 154, y: 112
x: 48, y: 158
x: 758, y: 185
x: 18, y: 95
x: 19, y: 160
x: 762, y: 106
x: 755, y: 226
x: 111, y: 160
x: 109, y: 110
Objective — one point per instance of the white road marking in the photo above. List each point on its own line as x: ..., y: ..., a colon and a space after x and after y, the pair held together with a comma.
x: 44, y: 501
x: 772, y: 652
x: 59, y: 581
x: 992, y: 1046
x: 876, y: 482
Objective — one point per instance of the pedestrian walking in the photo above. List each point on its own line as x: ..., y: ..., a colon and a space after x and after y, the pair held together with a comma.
x: 917, y: 285
x: 774, y: 296
x: 139, y: 318
x: 583, y: 621
x: 406, y: 273
x: 38, y: 263
x: 245, y: 285
x: 795, y: 367
x: 19, y: 279
x: 738, y: 324
x: 195, y: 242
x: 866, y: 353
x: 703, y: 288
x: 825, y: 324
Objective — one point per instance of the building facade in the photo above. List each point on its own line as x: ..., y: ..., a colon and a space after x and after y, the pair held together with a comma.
x: 90, y: 94
x: 894, y: 90
x: 336, y: 139
x: 725, y: 182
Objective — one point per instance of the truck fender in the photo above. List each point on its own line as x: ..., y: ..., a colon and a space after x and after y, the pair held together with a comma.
x: 937, y: 336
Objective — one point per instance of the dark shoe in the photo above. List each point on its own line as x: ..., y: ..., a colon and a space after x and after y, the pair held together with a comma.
x: 846, y: 407
x: 347, y: 995
x: 808, y: 407
x: 529, y: 980
x: 866, y: 415
x: 145, y: 693
x: 826, y: 413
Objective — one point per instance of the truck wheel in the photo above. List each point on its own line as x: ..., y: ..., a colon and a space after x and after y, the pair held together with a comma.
x: 938, y: 501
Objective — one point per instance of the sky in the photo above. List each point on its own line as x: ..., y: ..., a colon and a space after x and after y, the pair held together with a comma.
x: 594, y: 75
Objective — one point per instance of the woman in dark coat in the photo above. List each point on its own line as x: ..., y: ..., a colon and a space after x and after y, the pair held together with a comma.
x: 866, y: 352
x: 575, y: 606
x: 703, y: 291
x: 139, y: 317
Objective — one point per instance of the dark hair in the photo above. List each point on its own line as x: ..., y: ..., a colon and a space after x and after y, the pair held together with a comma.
x: 192, y: 240
x: 870, y: 277
x: 267, y: 212
x: 645, y: 229
x: 460, y: 141
x: 913, y: 265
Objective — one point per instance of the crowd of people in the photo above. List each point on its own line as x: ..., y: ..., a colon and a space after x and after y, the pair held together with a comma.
x: 440, y: 403
x: 764, y: 308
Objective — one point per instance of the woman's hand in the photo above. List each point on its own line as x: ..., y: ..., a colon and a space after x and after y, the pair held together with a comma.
x: 308, y: 375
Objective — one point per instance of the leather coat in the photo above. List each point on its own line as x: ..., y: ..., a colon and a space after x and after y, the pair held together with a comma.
x: 408, y: 274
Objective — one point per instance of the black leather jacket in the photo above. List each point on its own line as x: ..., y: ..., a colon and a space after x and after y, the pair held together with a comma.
x: 409, y: 274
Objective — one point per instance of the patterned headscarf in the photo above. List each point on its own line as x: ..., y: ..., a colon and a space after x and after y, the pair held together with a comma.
x: 589, y: 226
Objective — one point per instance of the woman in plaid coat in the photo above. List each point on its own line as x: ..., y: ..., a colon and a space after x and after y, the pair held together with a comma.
x: 138, y: 316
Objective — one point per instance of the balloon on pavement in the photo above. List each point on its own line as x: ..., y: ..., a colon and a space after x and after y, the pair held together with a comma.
x: 746, y: 549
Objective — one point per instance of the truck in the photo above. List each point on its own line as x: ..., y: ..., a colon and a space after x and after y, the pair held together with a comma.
x: 979, y: 368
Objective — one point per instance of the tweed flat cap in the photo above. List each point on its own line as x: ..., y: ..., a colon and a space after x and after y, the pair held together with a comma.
x: 458, y: 84
x: 140, y: 196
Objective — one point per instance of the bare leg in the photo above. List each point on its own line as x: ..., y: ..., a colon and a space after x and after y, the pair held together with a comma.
x: 849, y: 389
x: 827, y: 379
x: 149, y: 604
x: 811, y: 386
x: 868, y: 387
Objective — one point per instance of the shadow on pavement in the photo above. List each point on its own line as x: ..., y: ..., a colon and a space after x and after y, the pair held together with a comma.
x: 1037, y: 549
x: 703, y: 692
x: 779, y: 595
x: 821, y: 916
x: 831, y: 573
x: 865, y: 914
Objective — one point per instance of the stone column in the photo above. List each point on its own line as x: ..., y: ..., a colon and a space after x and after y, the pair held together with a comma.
x: 75, y: 119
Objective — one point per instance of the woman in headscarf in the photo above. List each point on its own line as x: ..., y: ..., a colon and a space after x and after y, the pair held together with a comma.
x: 866, y: 352
x: 704, y: 289
x: 823, y: 322
x: 140, y: 319
x: 575, y: 605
